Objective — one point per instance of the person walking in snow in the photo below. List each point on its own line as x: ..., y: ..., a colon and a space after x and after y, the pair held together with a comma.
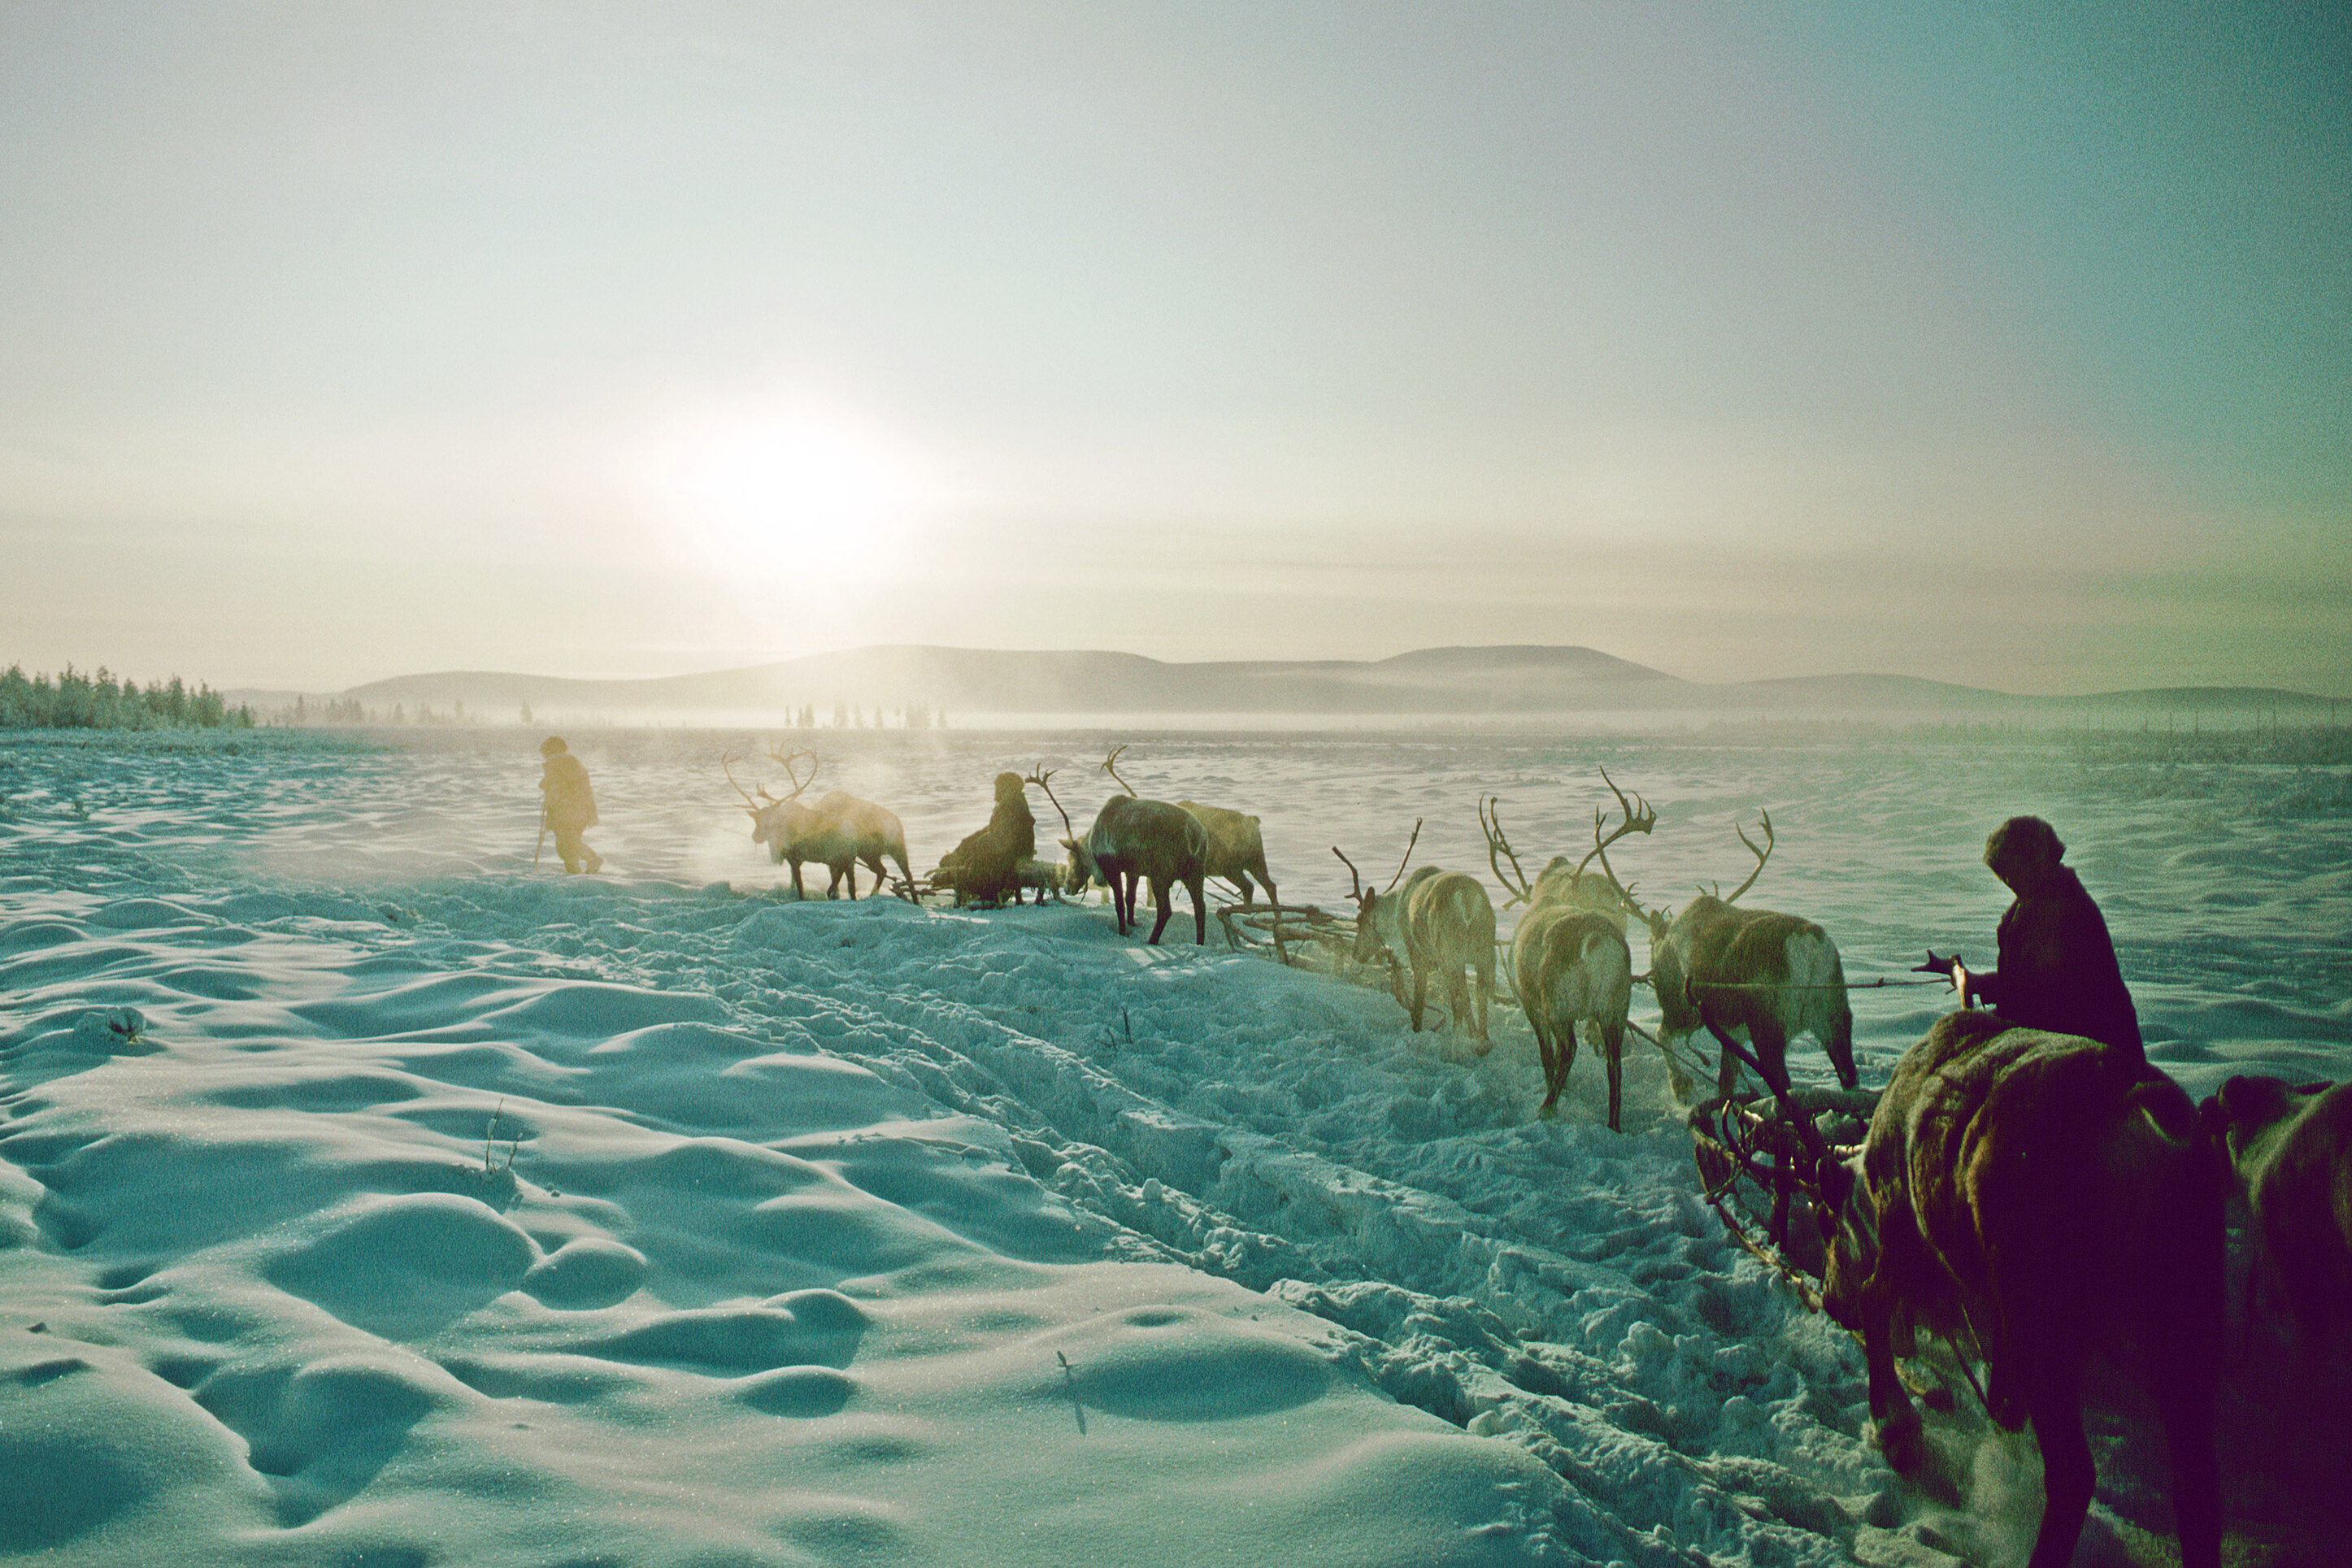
x: 568, y: 806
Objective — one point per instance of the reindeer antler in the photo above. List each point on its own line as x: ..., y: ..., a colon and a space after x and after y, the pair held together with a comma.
x: 1408, y: 857
x: 1640, y: 818
x: 1490, y: 822
x: 1761, y: 856
x: 1039, y: 776
x: 1110, y: 765
x: 727, y: 764
x: 1356, y: 884
x: 789, y: 761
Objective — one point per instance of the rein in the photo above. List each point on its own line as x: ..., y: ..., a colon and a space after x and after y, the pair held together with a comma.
x: 1878, y: 984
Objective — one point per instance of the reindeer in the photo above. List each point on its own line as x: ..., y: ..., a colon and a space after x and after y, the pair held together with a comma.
x: 1558, y: 883
x: 1570, y: 963
x: 1134, y: 839
x: 1770, y: 976
x: 1043, y: 877
x: 1568, y: 966
x: 2291, y: 1149
x: 1440, y: 920
x: 873, y: 833
x: 794, y: 833
x: 2050, y: 1197
x: 1066, y: 875
x: 1237, y: 849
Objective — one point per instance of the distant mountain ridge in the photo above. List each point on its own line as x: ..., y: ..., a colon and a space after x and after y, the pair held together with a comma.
x: 1522, y: 679
x: 1512, y: 679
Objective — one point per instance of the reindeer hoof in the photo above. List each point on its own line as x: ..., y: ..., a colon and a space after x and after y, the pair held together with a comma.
x: 1903, y: 1440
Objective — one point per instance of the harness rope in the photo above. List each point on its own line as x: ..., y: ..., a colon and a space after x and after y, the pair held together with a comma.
x: 1881, y: 983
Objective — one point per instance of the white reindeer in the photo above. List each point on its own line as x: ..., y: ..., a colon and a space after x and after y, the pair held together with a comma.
x: 1438, y: 922
x: 872, y: 832
x: 1770, y: 976
x: 795, y: 833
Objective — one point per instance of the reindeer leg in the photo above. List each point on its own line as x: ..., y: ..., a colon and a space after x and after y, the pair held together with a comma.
x: 1457, y: 1002
x: 1612, y: 1057
x: 1563, y: 1059
x: 1420, y: 992
x: 1485, y: 992
x: 1728, y: 1078
x: 2067, y: 1476
x: 1770, y: 1045
x: 2187, y: 1354
x: 1901, y: 1436
x: 1545, y: 1052
x: 1199, y: 888
x: 1163, y: 903
x: 2185, y: 1397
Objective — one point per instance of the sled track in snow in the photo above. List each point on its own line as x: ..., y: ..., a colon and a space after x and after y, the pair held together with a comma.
x: 1548, y: 1282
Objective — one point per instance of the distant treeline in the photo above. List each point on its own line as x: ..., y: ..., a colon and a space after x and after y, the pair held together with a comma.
x: 350, y: 711
x: 77, y: 701
x: 2304, y: 745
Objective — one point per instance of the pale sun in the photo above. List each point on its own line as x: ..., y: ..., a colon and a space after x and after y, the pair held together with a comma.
x: 792, y: 498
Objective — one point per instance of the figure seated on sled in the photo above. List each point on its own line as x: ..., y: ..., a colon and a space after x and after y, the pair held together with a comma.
x: 987, y: 866
x: 2057, y: 967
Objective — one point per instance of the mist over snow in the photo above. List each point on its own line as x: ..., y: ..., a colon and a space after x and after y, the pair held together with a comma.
x: 368, y: 1197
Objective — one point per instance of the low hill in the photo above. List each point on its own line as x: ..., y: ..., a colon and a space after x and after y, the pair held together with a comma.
x: 1500, y: 680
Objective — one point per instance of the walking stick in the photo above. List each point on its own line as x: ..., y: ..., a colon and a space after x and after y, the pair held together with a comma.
x: 542, y: 839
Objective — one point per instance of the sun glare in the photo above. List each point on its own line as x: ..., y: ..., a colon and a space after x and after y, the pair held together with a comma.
x: 793, y: 497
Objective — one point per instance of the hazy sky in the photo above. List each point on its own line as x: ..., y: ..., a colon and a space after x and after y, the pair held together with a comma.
x: 2001, y: 343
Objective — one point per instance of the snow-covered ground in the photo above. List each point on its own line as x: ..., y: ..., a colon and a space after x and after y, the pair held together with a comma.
x: 369, y: 1198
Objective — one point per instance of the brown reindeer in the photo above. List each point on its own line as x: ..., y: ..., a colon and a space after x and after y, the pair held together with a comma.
x: 2292, y: 1148
x: 1136, y: 840
x: 2049, y: 1198
x: 1757, y: 972
x: 1438, y: 920
x: 1237, y: 849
